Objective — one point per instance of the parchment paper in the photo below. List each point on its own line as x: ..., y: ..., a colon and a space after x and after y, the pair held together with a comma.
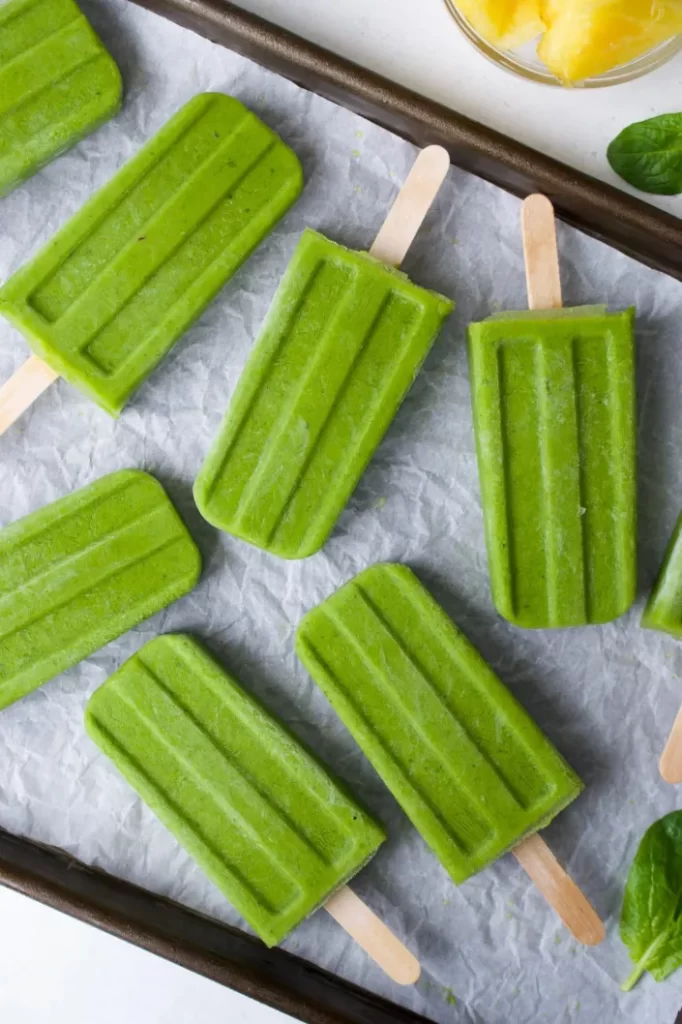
x: 492, y: 950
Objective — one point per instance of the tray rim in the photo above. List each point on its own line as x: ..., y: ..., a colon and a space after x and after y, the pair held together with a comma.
x: 633, y: 226
x: 201, y: 944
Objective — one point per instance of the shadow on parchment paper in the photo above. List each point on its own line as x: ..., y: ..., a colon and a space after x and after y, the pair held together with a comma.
x: 656, y: 455
x: 275, y: 111
x: 332, y: 751
x: 205, y: 536
x: 121, y: 44
x: 493, y: 644
x: 238, y: 658
x: 477, y: 626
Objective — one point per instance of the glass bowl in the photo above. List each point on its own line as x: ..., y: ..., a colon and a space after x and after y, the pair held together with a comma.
x: 526, y: 63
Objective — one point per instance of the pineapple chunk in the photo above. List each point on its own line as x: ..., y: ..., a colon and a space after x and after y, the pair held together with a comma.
x: 504, y: 23
x: 585, y: 38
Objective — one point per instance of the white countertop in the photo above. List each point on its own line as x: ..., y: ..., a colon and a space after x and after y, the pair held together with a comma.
x: 55, y: 970
x: 416, y: 43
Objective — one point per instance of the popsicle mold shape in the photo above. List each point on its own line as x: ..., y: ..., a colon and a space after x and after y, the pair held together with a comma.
x: 273, y: 830
x: 553, y: 398
x: 341, y: 345
x: 466, y: 762
x: 57, y: 84
x: 109, y: 296
x: 78, y: 573
x: 664, y: 607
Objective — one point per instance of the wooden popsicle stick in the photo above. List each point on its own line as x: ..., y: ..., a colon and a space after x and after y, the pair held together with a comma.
x: 670, y: 765
x: 391, y: 245
x: 411, y: 206
x: 544, y: 292
x: 370, y: 932
x: 541, y: 253
x: 22, y: 389
x: 560, y: 891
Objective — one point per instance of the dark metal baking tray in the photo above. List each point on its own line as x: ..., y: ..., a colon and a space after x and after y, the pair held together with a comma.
x: 224, y: 954
x: 623, y: 221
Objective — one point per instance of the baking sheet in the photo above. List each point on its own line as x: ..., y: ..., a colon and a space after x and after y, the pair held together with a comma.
x: 602, y: 211
x: 491, y: 950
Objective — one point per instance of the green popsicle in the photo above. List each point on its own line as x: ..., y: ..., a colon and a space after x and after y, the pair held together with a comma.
x: 81, y: 571
x: 113, y: 291
x: 341, y: 345
x: 57, y: 84
x: 262, y: 817
x: 664, y: 612
x: 554, y: 412
x: 469, y: 766
x: 664, y: 607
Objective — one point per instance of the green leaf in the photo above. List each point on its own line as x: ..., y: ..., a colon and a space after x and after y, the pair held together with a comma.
x: 648, y: 155
x: 651, y: 919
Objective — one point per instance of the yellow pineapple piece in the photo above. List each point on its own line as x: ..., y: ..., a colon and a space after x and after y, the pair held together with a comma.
x: 505, y: 23
x: 585, y: 38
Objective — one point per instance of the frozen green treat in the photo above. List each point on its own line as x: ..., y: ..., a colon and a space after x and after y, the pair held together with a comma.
x: 468, y: 765
x: 57, y: 84
x: 342, y: 343
x: 664, y: 608
x: 113, y: 291
x: 554, y: 412
x: 262, y: 817
x: 80, y: 572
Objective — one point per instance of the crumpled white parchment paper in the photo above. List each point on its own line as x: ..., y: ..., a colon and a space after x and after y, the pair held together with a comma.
x: 606, y: 696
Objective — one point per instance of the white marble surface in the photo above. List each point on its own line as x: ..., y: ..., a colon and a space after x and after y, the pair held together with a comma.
x: 54, y: 970
x: 417, y: 43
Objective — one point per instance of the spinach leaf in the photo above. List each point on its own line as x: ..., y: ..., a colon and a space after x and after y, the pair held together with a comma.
x: 648, y: 155
x: 651, y: 919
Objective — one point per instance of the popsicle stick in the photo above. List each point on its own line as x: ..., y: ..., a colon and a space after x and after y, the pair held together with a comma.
x: 543, y: 279
x: 560, y: 891
x: 411, y: 206
x: 377, y: 940
x: 391, y: 246
x: 670, y: 765
x: 22, y: 389
x: 541, y: 254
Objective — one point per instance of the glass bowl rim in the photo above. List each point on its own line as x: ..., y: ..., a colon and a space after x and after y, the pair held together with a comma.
x: 509, y: 61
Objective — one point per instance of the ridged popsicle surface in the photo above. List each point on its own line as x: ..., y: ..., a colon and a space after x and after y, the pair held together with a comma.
x: 57, y: 84
x: 78, y: 573
x: 113, y: 291
x: 664, y: 607
x: 554, y: 413
x: 469, y: 766
x: 342, y: 343
x: 262, y: 817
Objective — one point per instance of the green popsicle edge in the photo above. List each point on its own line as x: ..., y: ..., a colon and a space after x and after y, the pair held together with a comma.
x: 80, y: 572
x: 66, y: 85
x: 565, y: 313
x: 663, y: 611
x: 340, y: 347
x: 560, y: 527
x: 113, y: 291
x: 416, y: 695
x: 263, y: 817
